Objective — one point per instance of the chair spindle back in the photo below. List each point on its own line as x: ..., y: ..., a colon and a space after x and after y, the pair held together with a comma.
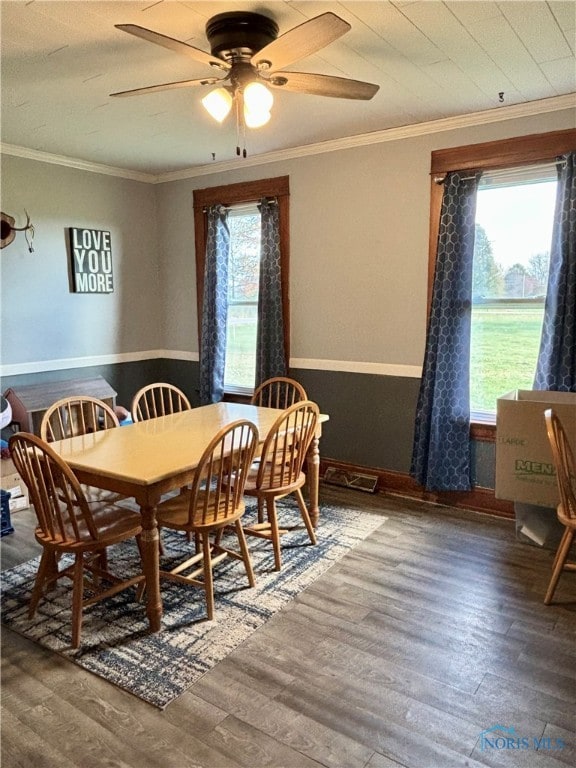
x: 158, y: 400
x: 229, y: 454
x: 286, y: 446
x: 73, y: 416
x: 278, y: 392
x: 58, y: 499
x: 563, y: 462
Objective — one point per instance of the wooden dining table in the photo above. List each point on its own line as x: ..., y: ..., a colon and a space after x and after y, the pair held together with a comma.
x: 150, y: 458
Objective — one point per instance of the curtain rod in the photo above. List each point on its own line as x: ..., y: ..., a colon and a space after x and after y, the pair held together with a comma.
x: 247, y: 204
x: 560, y: 161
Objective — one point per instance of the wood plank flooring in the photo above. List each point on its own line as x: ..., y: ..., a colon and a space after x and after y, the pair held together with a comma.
x: 428, y: 633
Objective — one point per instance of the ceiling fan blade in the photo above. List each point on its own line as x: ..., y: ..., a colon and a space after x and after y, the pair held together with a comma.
x: 322, y: 85
x: 169, y: 86
x: 174, y: 45
x: 301, y: 41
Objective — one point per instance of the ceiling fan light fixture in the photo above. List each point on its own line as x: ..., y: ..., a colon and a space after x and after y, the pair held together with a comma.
x: 256, y: 118
x: 218, y: 103
x: 257, y: 98
x: 246, y: 46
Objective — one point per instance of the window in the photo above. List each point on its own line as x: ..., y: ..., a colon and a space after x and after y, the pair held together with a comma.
x: 244, y: 224
x: 507, y: 296
x: 514, y: 215
x: 243, y: 281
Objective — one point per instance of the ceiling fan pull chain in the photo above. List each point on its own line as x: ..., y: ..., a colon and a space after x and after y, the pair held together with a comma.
x: 237, y: 105
x: 240, y: 125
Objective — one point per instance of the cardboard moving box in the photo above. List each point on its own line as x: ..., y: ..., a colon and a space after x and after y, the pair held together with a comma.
x: 524, y: 467
x: 11, y: 481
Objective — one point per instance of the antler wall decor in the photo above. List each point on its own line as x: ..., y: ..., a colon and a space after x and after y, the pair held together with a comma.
x: 8, y: 231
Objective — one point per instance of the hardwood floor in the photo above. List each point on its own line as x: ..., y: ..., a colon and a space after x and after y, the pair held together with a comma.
x: 428, y: 633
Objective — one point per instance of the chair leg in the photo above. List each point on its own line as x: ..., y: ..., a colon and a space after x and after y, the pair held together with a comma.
x: 245, y: 552
x: 559, y: 561
x: 77, y: 597
x: 101, y: 562
x: 208, y: 582
x: 260, y: 510
x: 46, y: 562
x: 275, y: 533
x: 104, y: 559
x: 305, y: 515
x: 559, y: 550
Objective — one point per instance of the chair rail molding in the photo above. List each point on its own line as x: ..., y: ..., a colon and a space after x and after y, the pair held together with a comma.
x: 42, y: 366
x: 345, y: 366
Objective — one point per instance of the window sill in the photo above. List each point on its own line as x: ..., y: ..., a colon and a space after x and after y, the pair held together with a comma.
x: 237, y: 396
x: 483, y: 427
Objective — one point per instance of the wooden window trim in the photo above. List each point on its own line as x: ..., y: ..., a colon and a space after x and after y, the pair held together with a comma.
x: 234, y: 194
x: 508, y: 153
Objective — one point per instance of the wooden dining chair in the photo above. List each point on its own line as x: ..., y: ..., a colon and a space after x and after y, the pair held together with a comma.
x: 158, y: 399
x: 278, y: 392
x: 566, y: 478
x: 279, y: 472
x: 73, y: 416
x: 68, y: 525
x: 80, y: 415
x: 211, y: 505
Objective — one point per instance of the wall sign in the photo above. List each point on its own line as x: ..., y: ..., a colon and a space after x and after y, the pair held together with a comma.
x: 91, y: 253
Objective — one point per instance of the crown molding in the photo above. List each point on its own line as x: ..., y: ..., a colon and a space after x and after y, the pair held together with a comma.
x: 72, y: 162
x: 494, y: 115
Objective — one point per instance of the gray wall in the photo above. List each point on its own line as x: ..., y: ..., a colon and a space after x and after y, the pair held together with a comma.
x: 359, y: 244
x: 41, y: 319
x: 358, y: 283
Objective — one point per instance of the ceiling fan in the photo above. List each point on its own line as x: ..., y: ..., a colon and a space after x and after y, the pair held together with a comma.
x: 247, y: 48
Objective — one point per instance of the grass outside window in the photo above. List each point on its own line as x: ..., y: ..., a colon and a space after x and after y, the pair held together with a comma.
x: 504, y: 350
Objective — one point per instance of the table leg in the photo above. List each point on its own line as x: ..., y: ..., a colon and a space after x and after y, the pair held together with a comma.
x: 313, y: 467
x: 151, y: 566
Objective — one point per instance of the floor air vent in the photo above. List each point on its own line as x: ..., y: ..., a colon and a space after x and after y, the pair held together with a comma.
x: 354, y: 480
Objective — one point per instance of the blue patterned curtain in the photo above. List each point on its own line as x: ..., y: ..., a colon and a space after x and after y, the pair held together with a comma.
x: 556, y: 367
x: 441, y: 451
x: 214, y: 306
x: 270, y: 350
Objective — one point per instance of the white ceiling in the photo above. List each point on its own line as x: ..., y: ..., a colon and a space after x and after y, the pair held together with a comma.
x: 431, y: 59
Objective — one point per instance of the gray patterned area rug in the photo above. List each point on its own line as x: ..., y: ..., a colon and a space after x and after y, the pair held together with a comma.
x: 159, y: 667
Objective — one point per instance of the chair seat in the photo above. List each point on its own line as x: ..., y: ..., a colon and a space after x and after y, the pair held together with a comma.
x: 210, y: 506
x: 67, y: 523
x: 279, y: 472
x: 251, y: 483
x: 174, y: 513
x: 114, y: 524
x: 100, y: 496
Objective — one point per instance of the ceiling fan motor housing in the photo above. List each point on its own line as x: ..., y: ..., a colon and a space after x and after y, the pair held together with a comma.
x: 238, y: 35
